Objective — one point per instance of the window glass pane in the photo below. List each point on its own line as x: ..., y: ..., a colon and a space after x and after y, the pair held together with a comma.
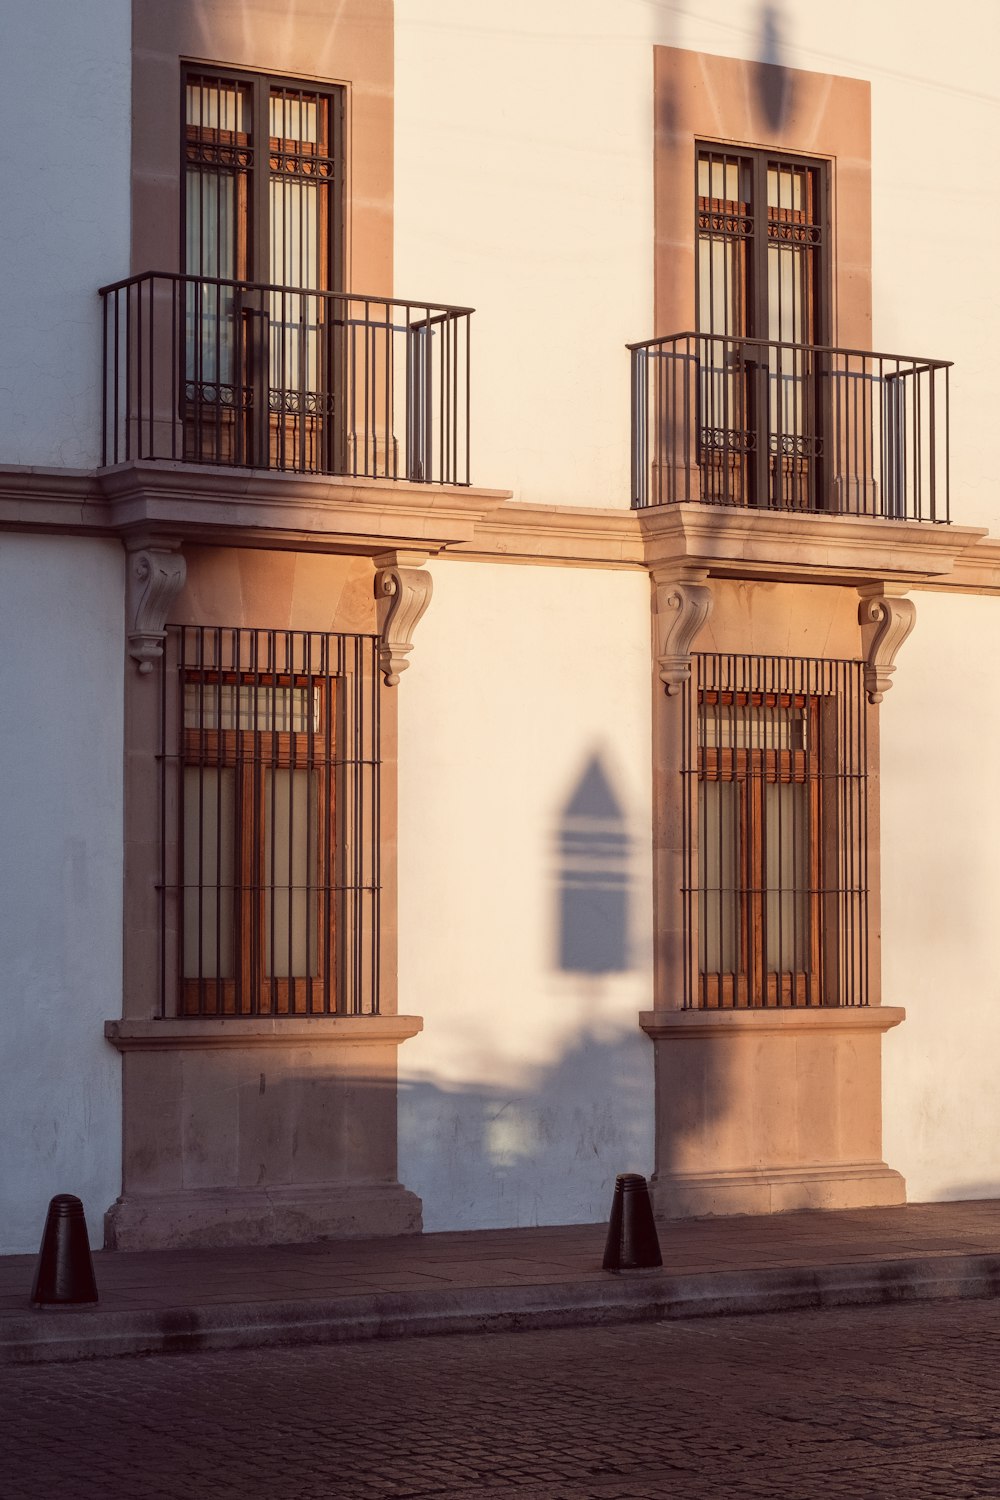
x: 217, y: 106
x: 209, y: 876
x: 786, y: 188
x: 786, y: 911
x: 752, y: 727
x: 294, y: 117
x: 719, y: 857
x: 722, y: 178
x: 720, y: 288
x: 295, y: 232
x: 210, y: 224
x: 210, y: 310
x: 262, y: 707
x: 294, y: 319
x: 291, y: 900
x: 788, y: 269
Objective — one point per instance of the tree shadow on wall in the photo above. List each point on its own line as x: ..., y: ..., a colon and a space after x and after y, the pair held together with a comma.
x: 772, y: 82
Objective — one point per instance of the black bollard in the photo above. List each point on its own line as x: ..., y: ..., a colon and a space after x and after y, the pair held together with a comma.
x: 632, y: 1241
x: 65, y: 1272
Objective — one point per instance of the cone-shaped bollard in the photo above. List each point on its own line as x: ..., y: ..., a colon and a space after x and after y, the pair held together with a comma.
x: 65, y: 1271
x: 632, y: 1242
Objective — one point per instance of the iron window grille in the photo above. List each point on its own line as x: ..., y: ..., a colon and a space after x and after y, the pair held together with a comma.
x: 270, y: 811
x: 775, y: 833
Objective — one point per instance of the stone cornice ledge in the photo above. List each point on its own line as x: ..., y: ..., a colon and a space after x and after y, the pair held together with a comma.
x: 576, y: 534
x: 307, y: 512
x: 661, y: 1024
x: 258, y: 1031
x: 976, y: 571
x: 736, y: 542
x: 65, y: 500
x: 788, y: 546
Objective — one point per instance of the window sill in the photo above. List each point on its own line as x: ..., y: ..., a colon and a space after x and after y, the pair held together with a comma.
x: 258, y: 1031
x: 663, y: 1024
x: 259, y: 508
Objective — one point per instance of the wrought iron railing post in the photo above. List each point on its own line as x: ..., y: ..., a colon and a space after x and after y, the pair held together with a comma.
x: 640, y: 428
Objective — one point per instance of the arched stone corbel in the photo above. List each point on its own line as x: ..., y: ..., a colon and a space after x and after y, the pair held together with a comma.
x: 156, y: 573
x: 402, y: 591
x: 885, y: 624
x: 682, y: 606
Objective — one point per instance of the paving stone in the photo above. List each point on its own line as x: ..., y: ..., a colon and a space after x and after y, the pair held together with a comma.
x: 896, y: 1403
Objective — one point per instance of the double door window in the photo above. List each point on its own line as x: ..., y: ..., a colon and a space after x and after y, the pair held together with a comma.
x: 262, y: 233
x: 762, y: 275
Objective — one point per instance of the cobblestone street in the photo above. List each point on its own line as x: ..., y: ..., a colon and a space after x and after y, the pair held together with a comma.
x: 895, y: 1401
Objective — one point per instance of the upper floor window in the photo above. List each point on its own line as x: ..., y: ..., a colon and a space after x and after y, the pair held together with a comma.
x: 262, y: 236
x: 762, y: 246
x: 262, y: 181
x: 761, y: 302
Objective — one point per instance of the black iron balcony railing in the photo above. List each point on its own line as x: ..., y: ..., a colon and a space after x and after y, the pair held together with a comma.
x: 789, y: 427
x: 208, y: 371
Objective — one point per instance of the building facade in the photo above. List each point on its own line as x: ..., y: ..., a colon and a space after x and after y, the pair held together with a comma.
x: 499, y: 679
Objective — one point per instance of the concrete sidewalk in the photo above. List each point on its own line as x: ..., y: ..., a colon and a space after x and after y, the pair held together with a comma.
x: 160, y: 1301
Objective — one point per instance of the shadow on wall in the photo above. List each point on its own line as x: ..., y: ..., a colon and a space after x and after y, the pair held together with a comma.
x: 546, y: 1152
x: 593, y: 863
x: 964, y: 1192
x: 541, y: 1143
x: 772, y: 81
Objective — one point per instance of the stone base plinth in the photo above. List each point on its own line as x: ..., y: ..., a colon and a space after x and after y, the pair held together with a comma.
x: 278, y: 1216
x: 694, y: 1196
x: 259, y: 1131
x: 768, y: 1111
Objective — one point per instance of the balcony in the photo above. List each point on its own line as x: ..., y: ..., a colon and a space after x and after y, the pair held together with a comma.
x: 199, y: 370
x: 739, y: 422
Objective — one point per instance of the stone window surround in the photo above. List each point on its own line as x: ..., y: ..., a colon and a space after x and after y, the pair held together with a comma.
x: 352, y: 48
x: 719, y: 99
x: 268, y: 1128
x: 779, y: 1108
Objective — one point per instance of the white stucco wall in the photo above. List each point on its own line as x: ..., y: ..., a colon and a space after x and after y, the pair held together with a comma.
x: 65, y: 107
x: 60, y: 878
x: 941, y: 899
x: 524, y: 137
x: 524, y: 189
x: 524, y: 794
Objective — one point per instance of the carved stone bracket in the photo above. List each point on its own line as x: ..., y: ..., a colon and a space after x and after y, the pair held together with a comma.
x: 885, y: 624
x: 155, y: 577
x: 402, y: 592
x: 681, y: 607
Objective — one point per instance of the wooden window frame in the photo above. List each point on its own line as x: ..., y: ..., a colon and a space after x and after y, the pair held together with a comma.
x: 251, y: 753
x: 754, y: 243
x: 253, y: 251
x: 752, y: 985
x: 250, y: 428
x: 736, y: 457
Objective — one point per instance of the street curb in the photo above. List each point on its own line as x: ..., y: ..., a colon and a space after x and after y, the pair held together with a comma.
x: 87, y: 1333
